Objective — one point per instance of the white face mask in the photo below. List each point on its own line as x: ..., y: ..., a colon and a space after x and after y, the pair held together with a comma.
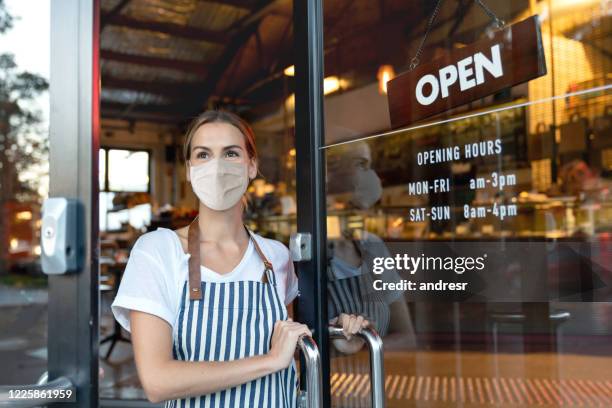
x: 367, y: 188
x: 219, y: 184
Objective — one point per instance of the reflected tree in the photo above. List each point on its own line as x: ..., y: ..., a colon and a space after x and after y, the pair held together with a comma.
x: 23, y: 148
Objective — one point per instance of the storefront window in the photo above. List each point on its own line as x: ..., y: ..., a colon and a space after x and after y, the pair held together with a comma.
x: 128, y: 170
x: 498, y: 211
x: 124, y: 185
x: 24, y: 185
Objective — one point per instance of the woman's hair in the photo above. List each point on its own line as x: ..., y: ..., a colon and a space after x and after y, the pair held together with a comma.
x: 220, y: 116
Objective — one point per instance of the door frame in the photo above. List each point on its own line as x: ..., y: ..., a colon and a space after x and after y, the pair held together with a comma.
x: 310, y: 176
x: 73, y: 307
x: 74, y: 139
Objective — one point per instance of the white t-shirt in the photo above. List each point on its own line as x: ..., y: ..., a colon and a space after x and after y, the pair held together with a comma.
x: 158, y: 268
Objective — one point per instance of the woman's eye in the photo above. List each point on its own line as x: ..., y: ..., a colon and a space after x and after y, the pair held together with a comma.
x: 362, y: 165
x: 232, y: 153
x: 202, y: 155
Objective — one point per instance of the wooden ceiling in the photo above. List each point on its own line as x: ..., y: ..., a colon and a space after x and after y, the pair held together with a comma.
x: 163, y: 60
x: 167, y: 60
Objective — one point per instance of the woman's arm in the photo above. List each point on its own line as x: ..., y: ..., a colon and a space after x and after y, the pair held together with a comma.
x: 164, y: 378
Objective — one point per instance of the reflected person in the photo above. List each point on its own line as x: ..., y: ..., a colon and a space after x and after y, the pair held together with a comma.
x: 353, y: 187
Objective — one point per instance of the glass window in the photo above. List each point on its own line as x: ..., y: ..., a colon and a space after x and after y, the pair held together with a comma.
x: 24, y: 185
x: 477, y: 241
x: 102, y: 172
x: 125, y: 201
x: 128, y: 170
x: 115, y: 217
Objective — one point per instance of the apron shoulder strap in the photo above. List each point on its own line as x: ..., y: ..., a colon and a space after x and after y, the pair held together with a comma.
x: 357, y: 246
x: 265, y: 261
x: 195, y: 273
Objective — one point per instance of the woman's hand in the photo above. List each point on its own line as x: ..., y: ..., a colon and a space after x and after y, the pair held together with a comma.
x: 285, y: 336
x: 351, y: 324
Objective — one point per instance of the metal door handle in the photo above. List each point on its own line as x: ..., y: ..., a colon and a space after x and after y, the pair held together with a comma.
x: 377, y: 371
x: 59, y: 384
x: 310, y: 351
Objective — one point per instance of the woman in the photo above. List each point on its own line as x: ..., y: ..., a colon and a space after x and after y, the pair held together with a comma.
x: 206, y: 304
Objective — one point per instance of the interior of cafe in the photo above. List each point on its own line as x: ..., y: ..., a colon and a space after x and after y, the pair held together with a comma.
x: 164, y: 61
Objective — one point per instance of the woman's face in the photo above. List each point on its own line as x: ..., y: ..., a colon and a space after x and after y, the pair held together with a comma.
x: 223, y: 141
x: 344, y: 164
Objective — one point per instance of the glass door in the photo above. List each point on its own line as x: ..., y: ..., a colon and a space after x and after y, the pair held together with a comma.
x: 48, y: 137
x: 477, y: 241
x: 309, y: 175
x: 24, y: 184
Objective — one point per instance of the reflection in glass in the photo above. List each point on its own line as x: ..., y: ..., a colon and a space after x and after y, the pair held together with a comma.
x: 24, y: 184
x: 531, y: 185
x: 353, y: 187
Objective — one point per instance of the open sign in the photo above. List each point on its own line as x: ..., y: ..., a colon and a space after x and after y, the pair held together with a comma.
x: 514, y: 55
x: 469, y: 72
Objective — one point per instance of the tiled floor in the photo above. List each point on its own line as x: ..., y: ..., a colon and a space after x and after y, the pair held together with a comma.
x: 444, y: 379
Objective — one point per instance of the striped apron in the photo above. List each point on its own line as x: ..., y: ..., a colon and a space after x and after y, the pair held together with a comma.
x: 222, y: 321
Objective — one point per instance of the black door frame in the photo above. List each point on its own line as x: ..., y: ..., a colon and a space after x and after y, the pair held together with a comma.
x: 310, y: 174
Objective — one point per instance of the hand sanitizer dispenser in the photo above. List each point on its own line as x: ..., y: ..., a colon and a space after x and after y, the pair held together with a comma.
x: 61, y: 251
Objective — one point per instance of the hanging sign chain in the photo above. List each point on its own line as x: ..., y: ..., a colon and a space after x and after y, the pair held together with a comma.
x: 498, y: 21
x: 414, y: 62
x: 416, y: 59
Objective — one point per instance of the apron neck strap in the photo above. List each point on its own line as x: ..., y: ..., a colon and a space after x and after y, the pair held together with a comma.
x: 357, y: 246
x: 268, y: 264
x: 195, y: 271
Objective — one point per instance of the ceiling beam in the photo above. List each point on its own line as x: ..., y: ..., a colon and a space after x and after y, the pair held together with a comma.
x: 171, y: 109
x: 169, y: 89
x: 234, y: 3
x: 216, y: 72
x: 141, y: 117
x: 113, y: 13
x: 173, y: 29
x: 334, y: 43
x: 263, y: 8
x: 148, y: 113
x: 243, y: 30
x: 179, y: 65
